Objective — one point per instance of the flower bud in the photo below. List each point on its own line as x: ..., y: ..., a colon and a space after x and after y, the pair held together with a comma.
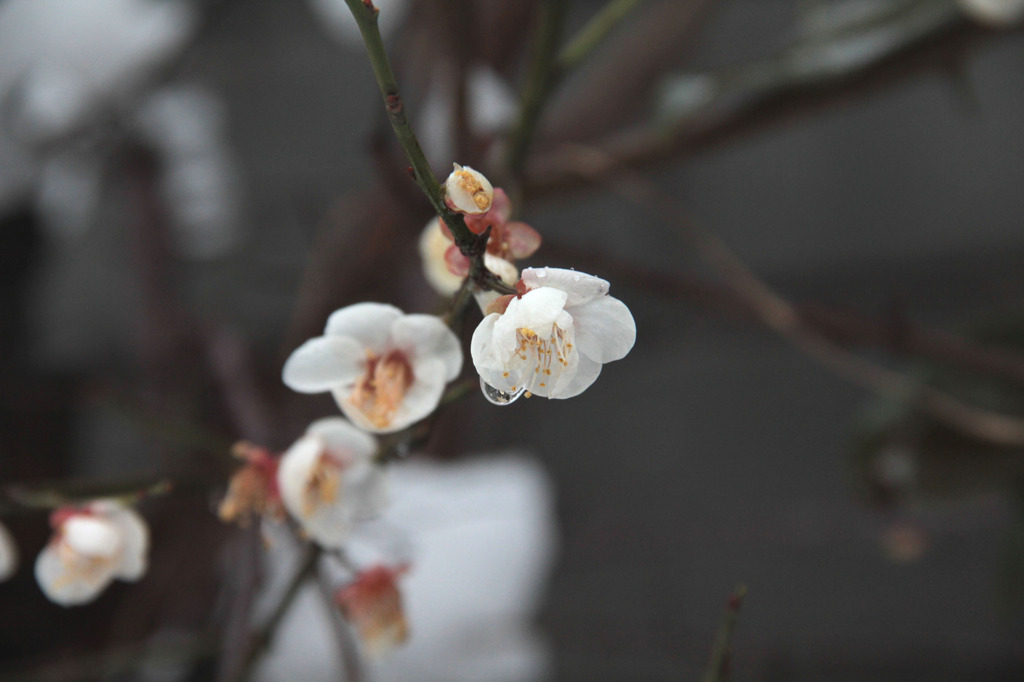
x: 468, y: 191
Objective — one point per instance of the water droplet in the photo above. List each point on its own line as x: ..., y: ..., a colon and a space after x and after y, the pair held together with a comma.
x: 496, y: 396
x: 575, y: 278
x: 541, y: 274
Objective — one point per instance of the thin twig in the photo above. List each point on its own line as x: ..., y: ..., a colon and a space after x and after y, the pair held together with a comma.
x: 763, y: 94
x: 719, y: 667
x: 540, y: 78
x: 470, y: 244
x: 590, y: 37
x: 779, y: 314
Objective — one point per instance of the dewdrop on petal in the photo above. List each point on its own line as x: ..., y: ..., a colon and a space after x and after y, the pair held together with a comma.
x: 91, y: 546
x: 994, y: 13
x: 8, y: 554
x: 468, y: 191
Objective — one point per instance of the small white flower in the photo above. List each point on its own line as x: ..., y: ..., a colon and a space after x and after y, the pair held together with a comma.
x: 553, y: 339
x: 994, y: 13
x: 386, y: 369
x: 328, y: 480
x: 8, y: 554
x: 468, y: 191
x: 90, y: 547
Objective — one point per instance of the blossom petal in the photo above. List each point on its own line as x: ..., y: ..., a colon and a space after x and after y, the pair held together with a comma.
x: 8, y: 554
x: 63, y: 587
x: 324, y: 363
x: 134, y: 541
x: 605, y: 329
x: 486, y: 359
x: 343, y: 440
x: 538, y: 310
x: 367, y: 323
x: 294, y: 470
x: 92, y: 536
x: 426, y: 335
x: 587, y: 372
x: 579, y: 286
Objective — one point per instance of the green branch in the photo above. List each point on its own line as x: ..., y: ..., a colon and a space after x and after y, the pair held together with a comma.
x: 540, y: 78
x: 719, y: 667
x: 470, y: 244
x: 593, y: 34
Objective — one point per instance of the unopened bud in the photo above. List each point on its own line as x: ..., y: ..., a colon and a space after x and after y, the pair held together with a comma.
x: 468, y: 191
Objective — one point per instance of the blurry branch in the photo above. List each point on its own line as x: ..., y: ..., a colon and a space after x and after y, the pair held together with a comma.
x: 261, y: 638
x: 719, y: 666
x: 347, y: 646
x: 540, y: 79
x: 703, y: 111
x: 45, y: 496
x: 593, y: 34
x: 845, y: 327
x: 117, y: 661
x: 470, y: 244
x: 778, y: 314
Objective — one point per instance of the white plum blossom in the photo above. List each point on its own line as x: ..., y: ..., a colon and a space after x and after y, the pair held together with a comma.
x: 328, y: 480
x: 92, y: 545
x: 386, y: 370
x: 8, y: 554
x: 468, y: 191
x: 994, y: 13
x: 552, y: 340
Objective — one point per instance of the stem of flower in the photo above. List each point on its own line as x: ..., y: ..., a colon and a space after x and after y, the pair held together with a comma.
x: 719, y: 665
x: 365, y: 15
x: 539, y: 80
x: 593, y: 34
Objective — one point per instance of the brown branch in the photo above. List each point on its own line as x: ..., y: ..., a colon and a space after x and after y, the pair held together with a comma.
x: 731, y: 114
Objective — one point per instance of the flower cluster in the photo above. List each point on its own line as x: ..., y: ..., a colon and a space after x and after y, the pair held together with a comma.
x: 387, y: 370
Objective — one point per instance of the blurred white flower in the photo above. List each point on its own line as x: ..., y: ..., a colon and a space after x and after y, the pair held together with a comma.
x: 91, y: 546
x: 994, y: 13
x: 8, y: 554
x: 552, y: 340
x: 386, y: 369
x: 373, y: 604
x: 435, y: 248
x: 328, y: 480
x: 468, y: 191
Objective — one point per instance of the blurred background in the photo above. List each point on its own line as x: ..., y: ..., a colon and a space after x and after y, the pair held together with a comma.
x: 188, y: 189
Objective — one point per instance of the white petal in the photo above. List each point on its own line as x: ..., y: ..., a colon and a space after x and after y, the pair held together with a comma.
x: 580, y: 286
x: 8, y: 554
x: 62, y: 587
x: 422, y: 336
x: 464, y: 187
x: 367, y: 323
x: 433, y: 245
x: 134, y: 542
x: 92, y: 536
x: 486, y: 359
x: 502, y: 268
x: 537, y: 310
x: 605, y: 330
x: 343, y: 440
x: 587, y: 372
x: 323, y: 363
x: 294, y: 470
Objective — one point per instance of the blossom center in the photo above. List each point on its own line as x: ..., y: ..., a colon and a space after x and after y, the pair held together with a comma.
x: 543, y: 358
x: 380, y: 391
x: 473, y: 187
x: 322, y: 486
